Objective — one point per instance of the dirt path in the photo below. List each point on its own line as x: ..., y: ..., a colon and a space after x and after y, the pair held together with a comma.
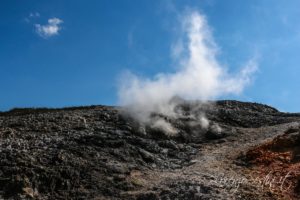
x: 215, y: 169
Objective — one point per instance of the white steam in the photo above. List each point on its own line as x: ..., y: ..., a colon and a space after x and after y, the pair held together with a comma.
x: 199, y: 76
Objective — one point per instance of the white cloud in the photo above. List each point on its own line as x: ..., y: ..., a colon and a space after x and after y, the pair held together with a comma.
x: 199, y: 76
x: 52, y: 28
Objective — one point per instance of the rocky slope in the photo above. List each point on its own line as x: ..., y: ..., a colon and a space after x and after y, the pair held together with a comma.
x: 98, y: 152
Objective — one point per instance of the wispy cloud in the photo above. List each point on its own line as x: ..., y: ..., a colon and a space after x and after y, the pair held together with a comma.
x: 51, y: 29
x: 34, y: 14
x: 31, y: 16
x: 130, y: 37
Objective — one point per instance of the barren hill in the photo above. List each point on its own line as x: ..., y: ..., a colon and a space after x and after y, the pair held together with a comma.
x: 99, y: 152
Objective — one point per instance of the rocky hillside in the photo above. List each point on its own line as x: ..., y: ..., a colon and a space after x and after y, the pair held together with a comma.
x: 99, y: 152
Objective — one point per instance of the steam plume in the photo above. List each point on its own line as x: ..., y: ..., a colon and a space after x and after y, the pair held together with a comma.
x: 199, y: 75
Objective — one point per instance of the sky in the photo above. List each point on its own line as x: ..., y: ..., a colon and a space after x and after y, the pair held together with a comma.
x: 70, y: 53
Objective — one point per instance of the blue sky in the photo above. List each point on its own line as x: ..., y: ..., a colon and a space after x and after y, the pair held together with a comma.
x: 66, y: 53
